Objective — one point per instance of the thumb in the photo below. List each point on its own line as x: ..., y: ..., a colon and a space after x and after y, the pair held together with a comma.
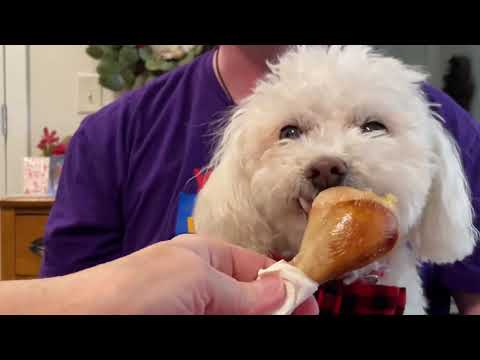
x: 259, y: 297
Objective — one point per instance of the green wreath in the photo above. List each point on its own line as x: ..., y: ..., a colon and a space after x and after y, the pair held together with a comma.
x: 128, y: 67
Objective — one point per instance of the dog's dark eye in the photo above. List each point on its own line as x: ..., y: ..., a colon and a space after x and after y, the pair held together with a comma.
x: 371, y: 126
x: 290, y: 132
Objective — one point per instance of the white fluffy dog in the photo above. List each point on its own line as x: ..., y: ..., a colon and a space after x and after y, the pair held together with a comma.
x: 331, y: 115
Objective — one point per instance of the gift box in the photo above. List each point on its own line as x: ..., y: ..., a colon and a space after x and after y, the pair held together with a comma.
x: 41, y: 175
x: 36, y: 175
x: 55, y: 170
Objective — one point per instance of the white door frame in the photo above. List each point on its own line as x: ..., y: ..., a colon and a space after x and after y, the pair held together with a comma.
x: 17, y: 101
x: 3, y: 153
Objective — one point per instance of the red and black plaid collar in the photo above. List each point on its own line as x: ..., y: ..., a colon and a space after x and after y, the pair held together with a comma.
x: 336, y: 298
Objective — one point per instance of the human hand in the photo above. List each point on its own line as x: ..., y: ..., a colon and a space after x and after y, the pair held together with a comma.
x: 192, y: 275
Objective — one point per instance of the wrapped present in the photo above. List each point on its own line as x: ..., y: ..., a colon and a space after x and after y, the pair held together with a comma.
x: 36, y: 175
x: 55, y: 170
x: 41, y: 175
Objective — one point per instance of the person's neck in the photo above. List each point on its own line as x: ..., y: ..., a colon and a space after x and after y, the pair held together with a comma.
x: 242, y: 65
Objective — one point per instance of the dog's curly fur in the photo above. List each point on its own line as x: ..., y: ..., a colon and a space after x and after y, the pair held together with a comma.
x: 329, y: 92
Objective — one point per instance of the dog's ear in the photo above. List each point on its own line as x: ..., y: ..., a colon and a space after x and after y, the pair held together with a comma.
x: 446, y: 232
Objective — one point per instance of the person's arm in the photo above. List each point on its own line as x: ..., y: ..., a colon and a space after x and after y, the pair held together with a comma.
x: 462, y: 279
x: 85, y: 224
x: 208, y: 278
x: 468, y: 304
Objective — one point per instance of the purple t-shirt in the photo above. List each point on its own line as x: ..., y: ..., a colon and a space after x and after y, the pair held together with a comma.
x: 133, y: 169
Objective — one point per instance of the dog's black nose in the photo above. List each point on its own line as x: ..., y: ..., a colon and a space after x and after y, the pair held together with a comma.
x: 327, y: 172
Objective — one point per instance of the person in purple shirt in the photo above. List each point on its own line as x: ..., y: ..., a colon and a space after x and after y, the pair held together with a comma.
x: 133, y: 169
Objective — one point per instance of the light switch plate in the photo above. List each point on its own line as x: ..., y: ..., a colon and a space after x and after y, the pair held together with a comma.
x: 108, y: 97
x: 89, y: 95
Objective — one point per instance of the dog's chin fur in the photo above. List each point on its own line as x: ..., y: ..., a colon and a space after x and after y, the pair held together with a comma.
x: 251, y: 197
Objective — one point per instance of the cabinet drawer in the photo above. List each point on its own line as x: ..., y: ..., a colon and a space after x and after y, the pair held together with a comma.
x: 28, y: 228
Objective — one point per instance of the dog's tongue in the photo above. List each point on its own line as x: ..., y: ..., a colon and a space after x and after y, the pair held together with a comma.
x: 306, y: 206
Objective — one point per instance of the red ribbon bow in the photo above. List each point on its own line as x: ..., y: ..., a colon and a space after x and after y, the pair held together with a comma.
x: 336, y: 298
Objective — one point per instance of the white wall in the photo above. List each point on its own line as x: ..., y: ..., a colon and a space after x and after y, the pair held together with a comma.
x: 41, y: 90
x: 53, y: 71
x: 16, y: 100
x: 435, y: 60
x: 427, y: 56
x: 2, y: 139
x: 473, y: 52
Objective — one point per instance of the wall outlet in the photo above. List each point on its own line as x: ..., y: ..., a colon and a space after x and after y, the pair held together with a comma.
x: 89, y: 98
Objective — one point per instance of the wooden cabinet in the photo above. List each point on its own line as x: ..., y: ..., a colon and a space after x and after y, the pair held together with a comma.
x: 22, y: 226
